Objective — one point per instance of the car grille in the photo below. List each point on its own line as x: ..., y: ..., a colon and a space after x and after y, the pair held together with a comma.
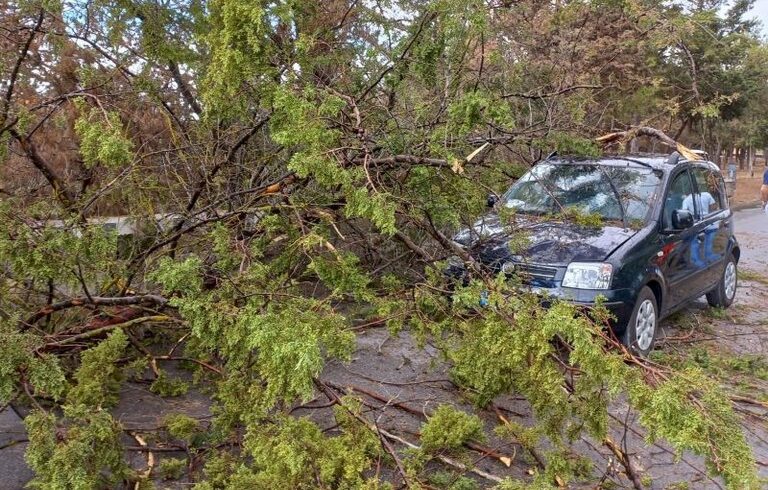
x: 536, y: 271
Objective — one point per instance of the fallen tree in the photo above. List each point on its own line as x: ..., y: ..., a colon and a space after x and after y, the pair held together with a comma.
x: 314, y: 157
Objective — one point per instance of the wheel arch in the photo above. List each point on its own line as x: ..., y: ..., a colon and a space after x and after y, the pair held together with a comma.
x: 655, y: 286
x: 736, y: 251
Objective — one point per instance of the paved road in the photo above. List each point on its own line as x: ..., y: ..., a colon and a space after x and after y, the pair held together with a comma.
x: 13, y: 472
x: 752, y: 233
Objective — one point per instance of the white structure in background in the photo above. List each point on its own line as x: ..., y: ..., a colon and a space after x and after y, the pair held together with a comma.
x: 130, y: 225
x: 123, y: 225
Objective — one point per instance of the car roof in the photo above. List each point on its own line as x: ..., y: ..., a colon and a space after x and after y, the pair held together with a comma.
x: 655, y: 161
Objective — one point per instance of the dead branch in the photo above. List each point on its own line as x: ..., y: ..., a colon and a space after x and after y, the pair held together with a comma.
x: 146, y: 299
x: 150, y: 460
x: 388, y: 402
x: 623, y: 458
x: 54, y: 179
x: 444, y: 459
x: 96, y: 332
x: 637, y: 131
x: 325, y: 388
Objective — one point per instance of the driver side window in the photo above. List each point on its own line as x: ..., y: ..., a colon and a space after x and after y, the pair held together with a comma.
x: 678, y: 197
x: 708, y: 198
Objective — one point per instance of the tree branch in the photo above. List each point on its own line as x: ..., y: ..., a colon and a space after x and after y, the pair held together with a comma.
x: 540, y: 95
x: 147, y: 299
x: 98, y: 331
x: 184, y: 88
x: 56, y: 182
x: 17, y: 66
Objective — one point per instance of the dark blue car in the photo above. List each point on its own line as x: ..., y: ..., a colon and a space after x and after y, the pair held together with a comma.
x: 664, y: 237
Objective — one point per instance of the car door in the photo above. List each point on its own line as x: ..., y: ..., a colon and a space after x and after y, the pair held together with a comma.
x: 714, y: 220
x: 679, y: 254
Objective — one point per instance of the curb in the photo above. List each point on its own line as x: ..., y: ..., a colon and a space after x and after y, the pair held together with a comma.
x: 746, y: 205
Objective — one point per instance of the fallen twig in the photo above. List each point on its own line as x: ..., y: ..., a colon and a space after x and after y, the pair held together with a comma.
x: 324, y: 387
x: 143, y: 475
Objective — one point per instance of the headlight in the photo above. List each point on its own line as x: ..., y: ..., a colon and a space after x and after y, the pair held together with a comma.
x: 588, y: 275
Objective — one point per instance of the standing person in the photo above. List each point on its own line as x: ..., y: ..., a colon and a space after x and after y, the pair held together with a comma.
x: 764, y: 190
x: 732, y: 170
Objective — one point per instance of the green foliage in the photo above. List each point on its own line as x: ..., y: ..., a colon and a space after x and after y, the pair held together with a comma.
x: 298, y: 123
x: 96, y: 378
x: 15, y: 350
x: 181, y: 426
x: 449, y: 428
x: 238, y: 49
x: 453, y: 482
x: 588, y: 220
x: 184, y: 277
x: 102, y: 140
x: 81, y: 451
x: 566, y: 144
x: 474, y: 109
x: 373, y: 206
x: 295, y: 453
x: 171, y: 468
x: 56, y: 252
x: 519, y: 357
x: 710, y: 428
x: 46, y: 376
x: 342, y: 273
x: 290, y: 341
x: 165, y: 385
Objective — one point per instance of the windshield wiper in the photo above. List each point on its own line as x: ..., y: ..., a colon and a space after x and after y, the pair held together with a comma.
x: 639, y: 162
x: 618, y: 196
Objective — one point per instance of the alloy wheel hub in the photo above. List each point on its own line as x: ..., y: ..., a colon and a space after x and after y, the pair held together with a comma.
x: 645, y: 324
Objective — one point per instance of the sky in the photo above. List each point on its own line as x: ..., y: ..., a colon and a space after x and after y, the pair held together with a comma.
x: 760, y: 10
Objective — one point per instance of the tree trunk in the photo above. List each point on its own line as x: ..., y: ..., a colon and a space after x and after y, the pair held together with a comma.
x: 716, y: 155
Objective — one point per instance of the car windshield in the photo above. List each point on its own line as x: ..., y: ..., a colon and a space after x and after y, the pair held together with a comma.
x: 622, y: 193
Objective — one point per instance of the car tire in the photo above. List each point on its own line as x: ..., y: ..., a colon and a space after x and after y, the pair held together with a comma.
x: 640, y: 333
x: 725, y: 292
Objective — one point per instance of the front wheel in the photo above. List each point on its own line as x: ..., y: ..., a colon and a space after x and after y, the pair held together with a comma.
x: 725, y: 292
x: 640, y: 334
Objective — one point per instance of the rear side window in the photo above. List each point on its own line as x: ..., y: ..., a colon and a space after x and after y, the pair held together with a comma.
x: 709, y: 197
x: 678, y: 197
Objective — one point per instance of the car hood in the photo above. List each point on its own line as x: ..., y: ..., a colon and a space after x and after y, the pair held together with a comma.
x: 542, y: 242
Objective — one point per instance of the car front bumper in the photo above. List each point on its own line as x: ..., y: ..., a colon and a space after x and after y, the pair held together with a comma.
x: 619, y: 302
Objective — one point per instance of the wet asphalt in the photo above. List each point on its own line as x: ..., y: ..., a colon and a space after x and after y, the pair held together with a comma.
x: 752, y: 234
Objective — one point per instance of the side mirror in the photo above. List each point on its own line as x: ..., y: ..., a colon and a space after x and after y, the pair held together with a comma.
x: 492, y: 200
x: 682, y: 219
